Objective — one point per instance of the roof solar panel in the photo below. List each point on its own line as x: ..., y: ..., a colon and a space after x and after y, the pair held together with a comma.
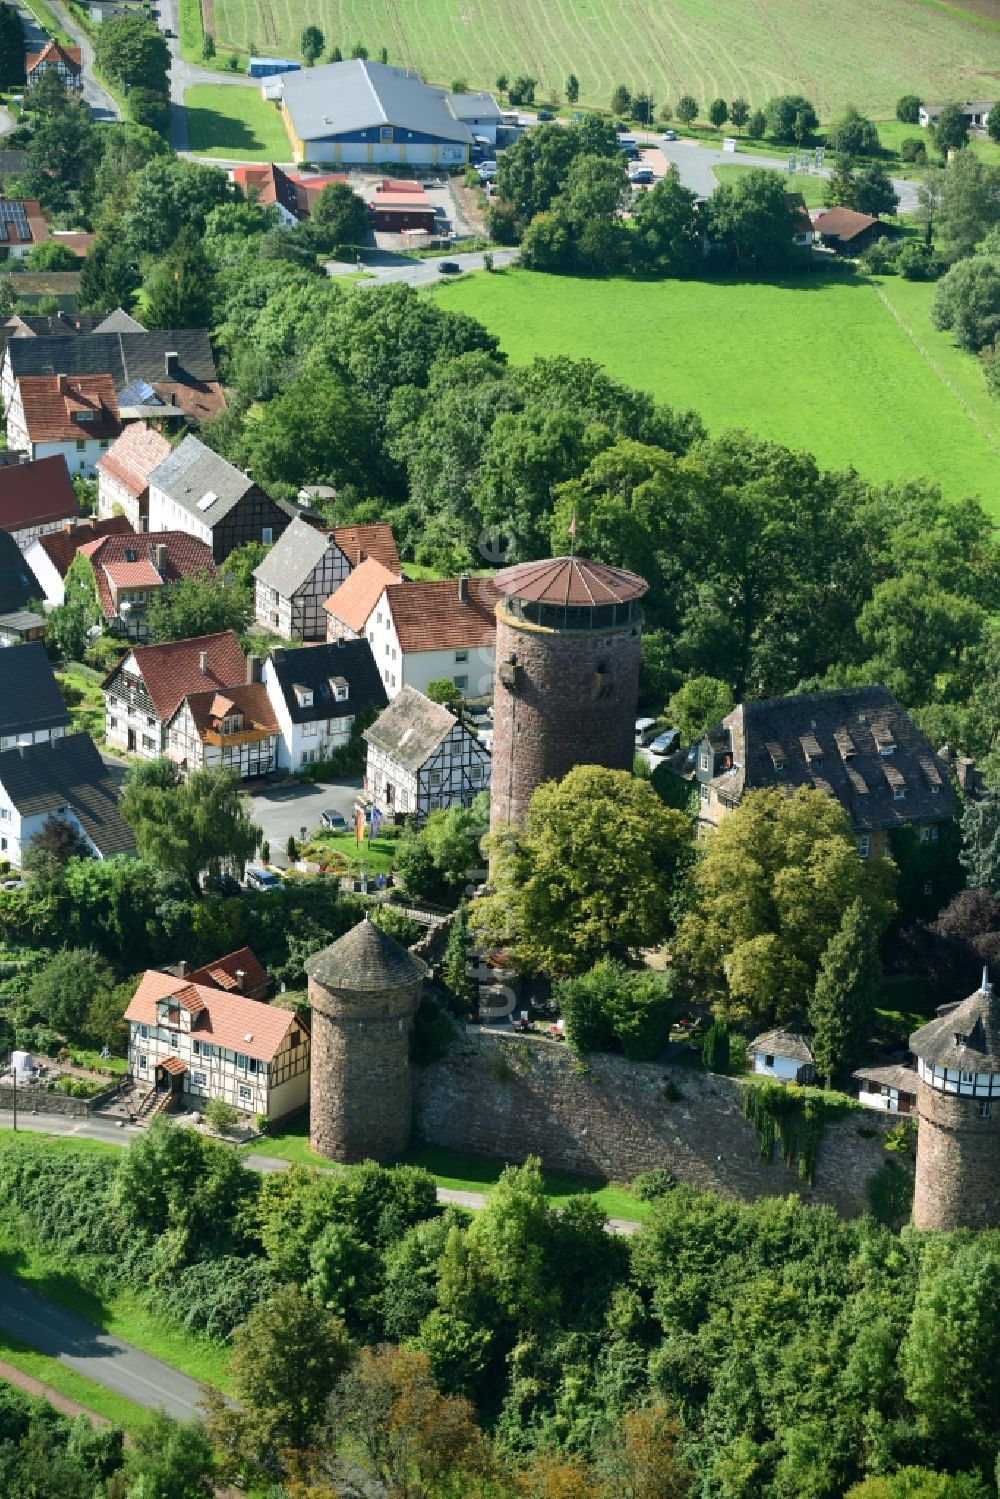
x: 14, y: 213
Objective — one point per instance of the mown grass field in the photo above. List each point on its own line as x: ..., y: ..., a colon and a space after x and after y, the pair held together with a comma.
x: 852, y: 50
x: 813, y: 189
x: 230, y: 120
x: 821, y: 365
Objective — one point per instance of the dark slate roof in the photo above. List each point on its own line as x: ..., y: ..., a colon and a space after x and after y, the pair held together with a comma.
x: 294, y: 557
x: 365, y: 959
x: 18, y: 583
x: 29, y: 694
x: 782, y: 1043
x: 126, y: 356
x: 192, y: 472
x: 832, y: 740
x: 976, y: 1021
x: 313, y: 666
x: 411, y: 729
x: 68, y: 772
x: 904, y: 1079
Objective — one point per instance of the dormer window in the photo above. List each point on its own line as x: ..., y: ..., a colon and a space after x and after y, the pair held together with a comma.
x: 233, y: 724
x: 304, y: 697
x: 340, y: 688
x: 961, y: 1040
x: 885, y: 750
x: 84, y: 416
x: 899, y: 793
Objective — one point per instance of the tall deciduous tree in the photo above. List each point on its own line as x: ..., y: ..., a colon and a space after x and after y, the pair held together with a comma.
x: 133, y: 53
x: 768, y: 896
x: 311, y: 44
x: 842, y: 1007
x: 572, y: 89
x: 287, y: 1358
x: 951, y: 130
x: 588, y: 877
x: 198, y: 606
x: 687, y: 109
x: 665, y: 237
x: 191, y: 827
x: 63, y: 989
x: 718, y: 113
x: 969, y: 204
x: 698, y: 705
x: 339, y: 216
x: 981, y: 843
x: 967, y: 302
x: 739, y: 112
x: 12, y: 47
x: 750, y: 223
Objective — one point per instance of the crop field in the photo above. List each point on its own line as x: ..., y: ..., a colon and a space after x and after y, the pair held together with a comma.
x: 828, y: 366
x: 229, y: 120
x: 864, y: 51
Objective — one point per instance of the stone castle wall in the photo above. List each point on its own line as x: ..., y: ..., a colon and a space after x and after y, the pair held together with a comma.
x: 558, y: 716
x: 509, y: 1097
x: 958, y: 1166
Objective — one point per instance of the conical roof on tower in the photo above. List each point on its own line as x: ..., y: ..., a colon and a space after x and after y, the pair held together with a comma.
x: 570, y: 582
x: 365, y: 959
x: 966, y: 1038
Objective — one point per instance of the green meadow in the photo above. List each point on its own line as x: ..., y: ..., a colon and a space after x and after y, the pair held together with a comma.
x: 849, y: 370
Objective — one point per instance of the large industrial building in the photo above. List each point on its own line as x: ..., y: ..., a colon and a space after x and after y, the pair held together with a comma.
x: 365, y: 113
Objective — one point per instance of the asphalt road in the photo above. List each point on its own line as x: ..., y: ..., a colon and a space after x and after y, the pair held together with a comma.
x: 183, y: 74
x: 283, y: 811
x: 695, y: 163
x: 107, y: 1360
x: 422, y: 272
x: 102, y: 106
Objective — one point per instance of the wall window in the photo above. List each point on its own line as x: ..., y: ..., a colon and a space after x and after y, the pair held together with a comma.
x: 768, y: 1061
x: 266, y: 533
x: 385, y: 134
x: 142, y: 1062
x: 925, y: 835
x: 705, y: 762
x: 985, y: 1109
x: 461, y: 656
x: 241, y: 1062
x: 309, y: 729
x: 81, y: 447
x: 704, y: 793
x: 864, y: 846
x: 434, y: 778
x: 967, y: 1077
x: 5, y: 813
x: 244, y: 1093
x: 899, y: 793
x: 199, y: 1079
x: 148, y: 743
x: 144, y: 1032
x: 461, y: 683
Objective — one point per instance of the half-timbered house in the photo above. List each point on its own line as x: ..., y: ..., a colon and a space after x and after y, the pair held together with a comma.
x: 306, y: 565
x: 235, y: 728
x: 192, y: 1042
x: 142, y: 693
x: 421, y: 757
x: 197, y: 491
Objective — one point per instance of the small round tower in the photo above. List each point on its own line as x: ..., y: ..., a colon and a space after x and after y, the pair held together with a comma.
x: 364, y: 991
x: 958, y: 1103
x: 567, y: 676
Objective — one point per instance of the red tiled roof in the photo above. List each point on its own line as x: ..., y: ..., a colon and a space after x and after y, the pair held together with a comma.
x: 132, y: 574
x: 189, y: 999
x: 62, y: 546
x: 842, y: 223
x: 230, y: 1020
x: 198, y: 400
x: 430, y: 616
x: 187, y: 557
x: 54, y: 53
x: 76, y: 240
x: 359, y: 542
x: 37, y: 227
x: 222, y: 973
x: 249, y: 698
x: 36, y: 494
x: 174, y: 1066
x: 172, y: 670
x: 572, y: 581
x: 133, y: 457
x: 51, y: 402
x: 360, y: 591
x: 399, y: 185
x: 270, y: 185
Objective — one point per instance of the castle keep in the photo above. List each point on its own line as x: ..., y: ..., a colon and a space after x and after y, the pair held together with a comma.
x: 958, y: 1101
x: 364, y: 991
x: 567, y: 676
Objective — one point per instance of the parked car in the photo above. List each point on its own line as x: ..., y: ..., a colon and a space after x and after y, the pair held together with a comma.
x: 487, y: 169
x: 449, y: 267
x: 641, y: 174
x: 542, y: 115
x: 167, y: 31
x: 666, y: 743
x: 262, y: 879
x: 335, y: 821
x: 645, y: 730
x: 670, y: 135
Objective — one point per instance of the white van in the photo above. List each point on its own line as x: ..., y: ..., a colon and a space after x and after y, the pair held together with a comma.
x: 645, y: 731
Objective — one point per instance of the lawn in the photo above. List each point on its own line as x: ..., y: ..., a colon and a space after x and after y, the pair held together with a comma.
x: 813, y: 189
x: 232, y: 120
x: 848, y: 50
x: 377, y: 855
x: 903, y: 1006
x: 81, y: 689
x: 815, y: 363
x: 115, y: 1408
x: 450, y: 1168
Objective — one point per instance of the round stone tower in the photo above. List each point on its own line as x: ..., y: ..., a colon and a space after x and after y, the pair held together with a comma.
x: 958, y: 1101
x: 567, y: 676
x: 364, y: 991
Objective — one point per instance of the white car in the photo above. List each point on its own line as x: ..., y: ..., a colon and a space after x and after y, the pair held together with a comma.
x: 487, y: 169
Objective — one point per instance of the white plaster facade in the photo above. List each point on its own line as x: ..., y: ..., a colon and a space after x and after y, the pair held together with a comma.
x: 16, y: 832
x: 470, y: 668
x: 303, y: 743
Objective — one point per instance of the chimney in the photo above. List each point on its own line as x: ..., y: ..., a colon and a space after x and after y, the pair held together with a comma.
x: 463, y: 589
x: 161, y: 556
x: 241, y: 979
x: 203, y: 663
x: 182, y: 968
x: 253, y: 668
x: 170, y: 364
x: 69, y: 526
x: 249, y: 473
